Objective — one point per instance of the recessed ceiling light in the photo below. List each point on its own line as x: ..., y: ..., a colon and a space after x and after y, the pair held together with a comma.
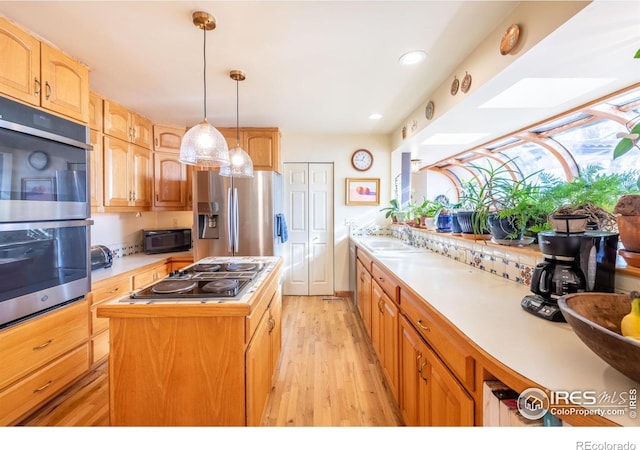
x: 544, y: 92
x: 412, y: 57
x: 453, y: 138
x: 375, y: 116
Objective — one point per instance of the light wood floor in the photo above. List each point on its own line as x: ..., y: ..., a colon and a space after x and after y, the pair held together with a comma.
x: 327, y: 376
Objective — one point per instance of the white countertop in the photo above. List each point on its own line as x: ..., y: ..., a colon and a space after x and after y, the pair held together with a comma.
x: 486, y: 308
x: 133, y: 262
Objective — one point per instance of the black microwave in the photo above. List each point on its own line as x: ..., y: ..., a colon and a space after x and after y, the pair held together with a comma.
x: 166, y: 240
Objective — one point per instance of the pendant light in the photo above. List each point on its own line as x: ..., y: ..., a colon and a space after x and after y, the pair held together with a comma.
x: 240, y: 164
x: 203, y: 145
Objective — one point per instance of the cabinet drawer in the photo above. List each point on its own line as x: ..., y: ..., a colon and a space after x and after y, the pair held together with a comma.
x: 386, y: 281
x: 364, y: 259
x: 149, y: 276
x: 445, y: 344
x: 42, y: 385
x: 29, y: 346
x: 109, y: 289
x: 100, y: 346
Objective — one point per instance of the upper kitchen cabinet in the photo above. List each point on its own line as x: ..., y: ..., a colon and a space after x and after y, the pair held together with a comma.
x: 128, y: 170
x: 121, y: 123
x: 170, y: 188
x: 262, y: 145
x: 95, y: 112
x: 42, y: 75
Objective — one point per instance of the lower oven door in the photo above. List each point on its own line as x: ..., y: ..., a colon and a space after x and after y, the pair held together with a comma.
x: 42, y: 265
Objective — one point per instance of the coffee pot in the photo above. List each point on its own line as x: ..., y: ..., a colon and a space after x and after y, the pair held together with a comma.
x: 556, y: 278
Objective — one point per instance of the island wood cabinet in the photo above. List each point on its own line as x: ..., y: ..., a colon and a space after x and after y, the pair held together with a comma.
x: 121, y: 123
x: 40, y: 357
x: 170, y: 188
x: 42, y: 75
x: 128, y: 172
x: 262, y: 145
x: 187, y: 364
x: 261, y: 360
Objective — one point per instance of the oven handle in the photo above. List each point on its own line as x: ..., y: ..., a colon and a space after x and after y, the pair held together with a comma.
x: 229, y: 212
x: 44, y: 224
x: 4, y: 124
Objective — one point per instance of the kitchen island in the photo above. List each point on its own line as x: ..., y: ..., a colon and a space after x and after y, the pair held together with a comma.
x: 191, y: 362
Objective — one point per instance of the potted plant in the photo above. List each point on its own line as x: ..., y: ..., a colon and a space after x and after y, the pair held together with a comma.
x: 592, y: 193
x: 394, y: 211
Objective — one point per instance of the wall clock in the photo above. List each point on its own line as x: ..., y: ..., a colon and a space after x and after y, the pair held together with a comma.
x: 38, y: 160
x: 362, y: 160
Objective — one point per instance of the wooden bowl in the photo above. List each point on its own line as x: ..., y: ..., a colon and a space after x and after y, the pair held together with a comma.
x: 595, y: 317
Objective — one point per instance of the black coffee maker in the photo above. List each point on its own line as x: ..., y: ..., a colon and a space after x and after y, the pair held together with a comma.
x: 573, y: 262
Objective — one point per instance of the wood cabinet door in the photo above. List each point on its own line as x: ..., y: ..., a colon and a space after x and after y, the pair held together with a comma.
x: 411, y: 360
x: 95, y: 112
x: 65, y: 84
x: 376, y: 318
x: 117, y: 188
x: 141, y: 131
x: 95, y: 170
x: 117, y: 121
x: 450, y: 404
x: 263, y: 146
x: 20, y: 78
x: 167, y: 139
x: 389, y: 343
x: 258, y: 378
x: 363, y: 295
x: 141, y: 176
x: 170, y: 181
x: 275, y: 314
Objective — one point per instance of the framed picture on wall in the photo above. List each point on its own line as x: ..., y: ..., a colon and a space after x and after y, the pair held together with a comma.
x: 38, y: 189
x: 363, y: 191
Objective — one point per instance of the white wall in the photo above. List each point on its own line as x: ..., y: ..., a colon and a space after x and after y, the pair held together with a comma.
x: 337, y: 149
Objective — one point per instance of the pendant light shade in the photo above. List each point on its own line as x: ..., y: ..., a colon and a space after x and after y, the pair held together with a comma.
x: 203, y: 145
x: 240, y: 164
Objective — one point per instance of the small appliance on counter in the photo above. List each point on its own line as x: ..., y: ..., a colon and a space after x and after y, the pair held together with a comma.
x: 101, y: 257
x: 573, y: 262
x: 166, y: 240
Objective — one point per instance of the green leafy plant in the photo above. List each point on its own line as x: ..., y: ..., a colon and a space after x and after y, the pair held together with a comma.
x: 394, y: 211
x: 592, y: 192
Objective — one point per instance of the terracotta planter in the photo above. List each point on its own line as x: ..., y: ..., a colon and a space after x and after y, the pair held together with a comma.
x: 629, y: 230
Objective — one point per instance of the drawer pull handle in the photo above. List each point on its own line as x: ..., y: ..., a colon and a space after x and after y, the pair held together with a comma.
x: 41, y: 346
x: 114, y: 291
x: 424, y: 327
x: 40, y: 389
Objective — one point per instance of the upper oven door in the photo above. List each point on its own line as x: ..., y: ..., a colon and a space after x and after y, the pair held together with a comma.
x: 43, y: 176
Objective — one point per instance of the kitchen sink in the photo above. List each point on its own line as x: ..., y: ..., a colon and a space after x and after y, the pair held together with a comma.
x: 381, y: 244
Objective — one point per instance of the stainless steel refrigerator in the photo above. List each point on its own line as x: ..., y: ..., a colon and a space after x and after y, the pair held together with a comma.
x: 238, y: 216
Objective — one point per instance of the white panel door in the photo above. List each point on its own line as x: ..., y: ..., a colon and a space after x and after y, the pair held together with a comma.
x: 309, y: 212
x: 321, y: 229
x: 296, y: 207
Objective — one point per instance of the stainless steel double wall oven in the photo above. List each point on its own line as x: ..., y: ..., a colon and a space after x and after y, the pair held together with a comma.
x: 44, y: 212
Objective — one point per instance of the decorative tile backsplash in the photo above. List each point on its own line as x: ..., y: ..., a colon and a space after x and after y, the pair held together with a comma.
x: 505, y: 262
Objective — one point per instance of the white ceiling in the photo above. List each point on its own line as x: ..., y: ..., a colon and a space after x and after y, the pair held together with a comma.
x: 317, y: 66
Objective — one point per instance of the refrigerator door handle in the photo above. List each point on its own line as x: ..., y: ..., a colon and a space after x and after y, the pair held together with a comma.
x: 236, y: 227
x: 229, y: 223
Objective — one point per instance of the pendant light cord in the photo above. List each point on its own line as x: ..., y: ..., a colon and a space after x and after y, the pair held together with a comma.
x: 238, y: 113
x: 204, y: 57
